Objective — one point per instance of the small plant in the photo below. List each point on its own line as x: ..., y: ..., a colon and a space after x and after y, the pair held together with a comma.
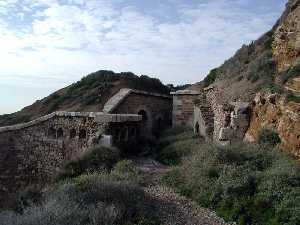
x: 291, y: 97
x: 96, y: 159
x: 125, y: 170
x: 269, y: 137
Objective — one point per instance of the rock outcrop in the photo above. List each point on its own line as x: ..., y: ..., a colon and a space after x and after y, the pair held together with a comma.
x: 272, y: 111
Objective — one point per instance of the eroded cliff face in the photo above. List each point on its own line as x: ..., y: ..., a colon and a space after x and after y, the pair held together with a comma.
x: 277, y: 111
x: 286, y: 44
x: 272, y: 111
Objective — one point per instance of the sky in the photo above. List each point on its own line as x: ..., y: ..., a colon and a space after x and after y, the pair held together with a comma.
x: 48, y: 44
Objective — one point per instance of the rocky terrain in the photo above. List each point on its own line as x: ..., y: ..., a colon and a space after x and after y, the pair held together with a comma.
x: 266, y: 73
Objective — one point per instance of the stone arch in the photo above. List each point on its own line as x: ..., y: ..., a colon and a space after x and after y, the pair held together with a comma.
x: 60, y: 133
x: 52, y: 133
x: 146, y: 120
x: 144, y: 114
x: 82, y: 134
x: 73, y: 133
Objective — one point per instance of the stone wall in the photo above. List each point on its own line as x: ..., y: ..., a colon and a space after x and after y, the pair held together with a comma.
x: 183, y: 107
x: 32, y: 153
x: 155, y: 109
x: 220, y: 121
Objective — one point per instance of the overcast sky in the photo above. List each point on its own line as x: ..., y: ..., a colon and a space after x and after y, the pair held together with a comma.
x: 48, y: 44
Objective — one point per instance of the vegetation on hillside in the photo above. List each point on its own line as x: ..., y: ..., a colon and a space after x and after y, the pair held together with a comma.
x: 248, y: 184
x: 252, y: 62
x: 96, y: 189
x: 90, y: 93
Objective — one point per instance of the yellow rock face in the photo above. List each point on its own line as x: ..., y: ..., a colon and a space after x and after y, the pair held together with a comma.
x: 286, y: 45
x: 271, y: 111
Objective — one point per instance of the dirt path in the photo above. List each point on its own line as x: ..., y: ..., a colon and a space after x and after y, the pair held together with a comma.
x: 173, y: 209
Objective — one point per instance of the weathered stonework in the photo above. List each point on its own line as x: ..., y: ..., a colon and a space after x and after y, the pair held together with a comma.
x: 32, y: 153
x: 183, y: 107
x: 156, y: 109
x: 218, y: 121
x: 286, y: 45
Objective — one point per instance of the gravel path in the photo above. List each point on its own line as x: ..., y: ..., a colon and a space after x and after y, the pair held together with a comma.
x: 172, y: 208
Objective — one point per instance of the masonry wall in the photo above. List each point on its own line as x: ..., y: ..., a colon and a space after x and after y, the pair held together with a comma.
x: 183, y: 109
x: 33, y: 155
x: 157, y: 109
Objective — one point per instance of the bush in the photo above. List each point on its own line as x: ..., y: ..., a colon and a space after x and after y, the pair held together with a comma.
x: 96, y: 159
x: 269, y: 137
x: 290, y: 73
x: 126, y: 171
x: 175, y: 144
x: 249, y: 184
x: 291, y: 97
x: 263, y: 67
x: 87, y: 200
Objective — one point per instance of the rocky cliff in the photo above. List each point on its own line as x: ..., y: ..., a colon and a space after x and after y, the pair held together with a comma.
x: 266, y: 73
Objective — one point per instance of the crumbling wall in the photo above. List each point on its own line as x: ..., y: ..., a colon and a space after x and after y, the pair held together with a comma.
x: 183, y: 108
x: 218, y: 120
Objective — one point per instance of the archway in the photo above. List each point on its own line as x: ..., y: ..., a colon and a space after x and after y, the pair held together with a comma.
x: 82, y: 134
x: 144, y: 115
x: 146, y: 125
x: 73, y: 133
x: 60, y: 133
x: 197, y: 128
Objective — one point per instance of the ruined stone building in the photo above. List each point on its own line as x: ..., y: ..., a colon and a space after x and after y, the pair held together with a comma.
x: 210, y: 115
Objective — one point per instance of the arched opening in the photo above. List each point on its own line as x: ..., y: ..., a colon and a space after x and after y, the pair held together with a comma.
x: 52, y: 133
x: 60, y: 133
x: 197, y: 128
x: 144, y: 115
x: 82, y: 134
x: 73, y: 133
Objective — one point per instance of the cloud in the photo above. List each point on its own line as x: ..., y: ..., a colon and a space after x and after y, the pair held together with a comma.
x: 70, y: 38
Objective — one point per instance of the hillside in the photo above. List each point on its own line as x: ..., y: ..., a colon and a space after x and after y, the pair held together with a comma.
x: 266, y: 73
x: 268, y: 63
x: 87, y: 95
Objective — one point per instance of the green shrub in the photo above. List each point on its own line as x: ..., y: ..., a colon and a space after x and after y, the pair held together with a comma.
x: 125, y: 170
x: 269, y: 137
x: 249, y: 184
x: 96, y: 159
x: 91, y: 199
x: 262, y: 67
x: 211, y: 77
x: 290, y: 73
x: 291, y: 97
x: 173, y: 153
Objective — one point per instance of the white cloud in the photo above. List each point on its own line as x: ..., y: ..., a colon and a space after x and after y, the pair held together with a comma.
x: 66, y: 41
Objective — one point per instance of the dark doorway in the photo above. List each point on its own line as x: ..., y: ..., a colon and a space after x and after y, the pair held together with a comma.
x: 197, y: 128
x: 144, y: 115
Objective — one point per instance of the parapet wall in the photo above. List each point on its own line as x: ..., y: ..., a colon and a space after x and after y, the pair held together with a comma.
x: 32, y: 153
